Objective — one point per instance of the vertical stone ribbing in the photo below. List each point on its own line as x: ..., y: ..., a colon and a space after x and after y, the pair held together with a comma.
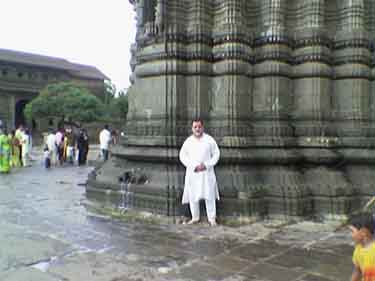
x: 352, y: 60
x: 145, y: 12
x: 7, y: 101
x: 175, y: 67
x: 370, y: 24
x: 353, y: 12
x: 312, y: 13
x: 272, y: 72
x: 160, y: 15
x: 359, y: 131
x: 230, y: 95
x: 231, y: 85
x: 312, y: 72
x: 199, y: 45
x: 156, y: 102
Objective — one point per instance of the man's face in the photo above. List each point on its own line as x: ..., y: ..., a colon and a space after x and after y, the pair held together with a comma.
x: 197, y: 129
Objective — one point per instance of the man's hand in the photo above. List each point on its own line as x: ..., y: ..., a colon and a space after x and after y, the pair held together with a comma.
x: 200, y: 168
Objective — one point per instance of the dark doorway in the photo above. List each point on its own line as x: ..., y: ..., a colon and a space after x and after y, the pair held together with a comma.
x: 19, y: 115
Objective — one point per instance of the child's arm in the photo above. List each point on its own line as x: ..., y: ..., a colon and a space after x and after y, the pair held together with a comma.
x: 356, y: 275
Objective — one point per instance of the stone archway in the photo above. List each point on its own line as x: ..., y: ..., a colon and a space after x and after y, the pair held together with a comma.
x: 19, y: 117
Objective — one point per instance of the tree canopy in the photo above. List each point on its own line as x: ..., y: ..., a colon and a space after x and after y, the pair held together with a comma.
x: 67, y: 101
x: 119, y: 106
x: 109, y: 91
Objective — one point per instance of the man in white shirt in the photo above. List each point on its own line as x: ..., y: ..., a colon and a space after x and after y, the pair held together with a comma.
x: 51, y: 144
x: 60, y: 145
x: 199, y: 154
x: 104, y: 140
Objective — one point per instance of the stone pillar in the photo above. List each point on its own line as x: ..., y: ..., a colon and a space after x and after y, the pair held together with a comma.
x: 272, y: 76
x: 160, y: 15
x: 139, y: 10
x: 312, y: 73
x: 198, y: 50
x: 230, y: 98
x: 12, y: 111
x: 353, y: 96
x: 159, y: 103
x: 146, y: 13
x: 272, y: 102
x: 149, y: 10
x: 231, y: 89
x: 6, y: 109
x: 351, y: 88
x: 370, y: 9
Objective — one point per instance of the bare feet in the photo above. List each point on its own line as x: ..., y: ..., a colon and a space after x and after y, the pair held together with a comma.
x: 192, y: 221
x: 212, y: 223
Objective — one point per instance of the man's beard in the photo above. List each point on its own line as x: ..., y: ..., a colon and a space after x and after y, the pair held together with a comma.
x: 198, y: 134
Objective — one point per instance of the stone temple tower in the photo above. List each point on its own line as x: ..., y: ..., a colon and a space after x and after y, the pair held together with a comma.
x: 286, y: 87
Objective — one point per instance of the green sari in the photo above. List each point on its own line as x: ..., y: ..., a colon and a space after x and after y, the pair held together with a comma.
x: 5, y: 151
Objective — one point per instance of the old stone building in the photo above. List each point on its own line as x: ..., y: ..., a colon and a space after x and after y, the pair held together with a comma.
x: 285, y: 86
x: 23, y: 75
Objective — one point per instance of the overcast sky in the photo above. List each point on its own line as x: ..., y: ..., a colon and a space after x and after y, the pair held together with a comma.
x: 93, y: 32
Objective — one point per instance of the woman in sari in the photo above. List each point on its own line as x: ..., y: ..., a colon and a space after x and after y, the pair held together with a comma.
x: 4, y: 152
x: 69, y: 146
x: 15, y: 150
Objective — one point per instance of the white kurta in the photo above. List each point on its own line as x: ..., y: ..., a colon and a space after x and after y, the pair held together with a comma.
x: 200, y: 185
x: 105, y: 139
x: 25, y: 140
x: 51, y: 144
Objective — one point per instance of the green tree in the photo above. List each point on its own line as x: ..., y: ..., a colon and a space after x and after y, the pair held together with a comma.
x: 66, y: 101
x: 109, y: 91
x: 119, y: 106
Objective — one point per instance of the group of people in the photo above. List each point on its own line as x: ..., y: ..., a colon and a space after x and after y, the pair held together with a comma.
x: 64, y: 146
x: 15, y: 147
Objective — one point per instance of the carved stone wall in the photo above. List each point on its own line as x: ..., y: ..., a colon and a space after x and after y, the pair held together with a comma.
x: 285, y: 86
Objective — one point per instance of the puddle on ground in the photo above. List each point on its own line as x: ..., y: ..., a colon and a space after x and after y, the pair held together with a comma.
x: 44, y: 265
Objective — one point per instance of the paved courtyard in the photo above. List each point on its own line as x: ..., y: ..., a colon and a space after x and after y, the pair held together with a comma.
x: 48, y: 234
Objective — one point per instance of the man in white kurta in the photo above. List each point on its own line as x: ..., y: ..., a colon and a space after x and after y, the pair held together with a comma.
x: 104, y: 140
x: 199, y: 154
x: 51, y: 144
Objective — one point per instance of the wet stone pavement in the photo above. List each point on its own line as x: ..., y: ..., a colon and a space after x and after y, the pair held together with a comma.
x: 48, y: 234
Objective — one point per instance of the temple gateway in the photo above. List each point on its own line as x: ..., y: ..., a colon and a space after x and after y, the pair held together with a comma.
x: 24, y: 75
x: 286, y: 87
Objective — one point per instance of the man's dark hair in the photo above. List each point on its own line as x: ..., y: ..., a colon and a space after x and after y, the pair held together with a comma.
x: 363, y: 219
x: 106, y: 126
x: 197, y: 120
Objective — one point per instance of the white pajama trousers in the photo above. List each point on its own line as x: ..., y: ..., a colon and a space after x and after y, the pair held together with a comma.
x: 25, y: 159
x: 210, y: 210
x: 54, y: 157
